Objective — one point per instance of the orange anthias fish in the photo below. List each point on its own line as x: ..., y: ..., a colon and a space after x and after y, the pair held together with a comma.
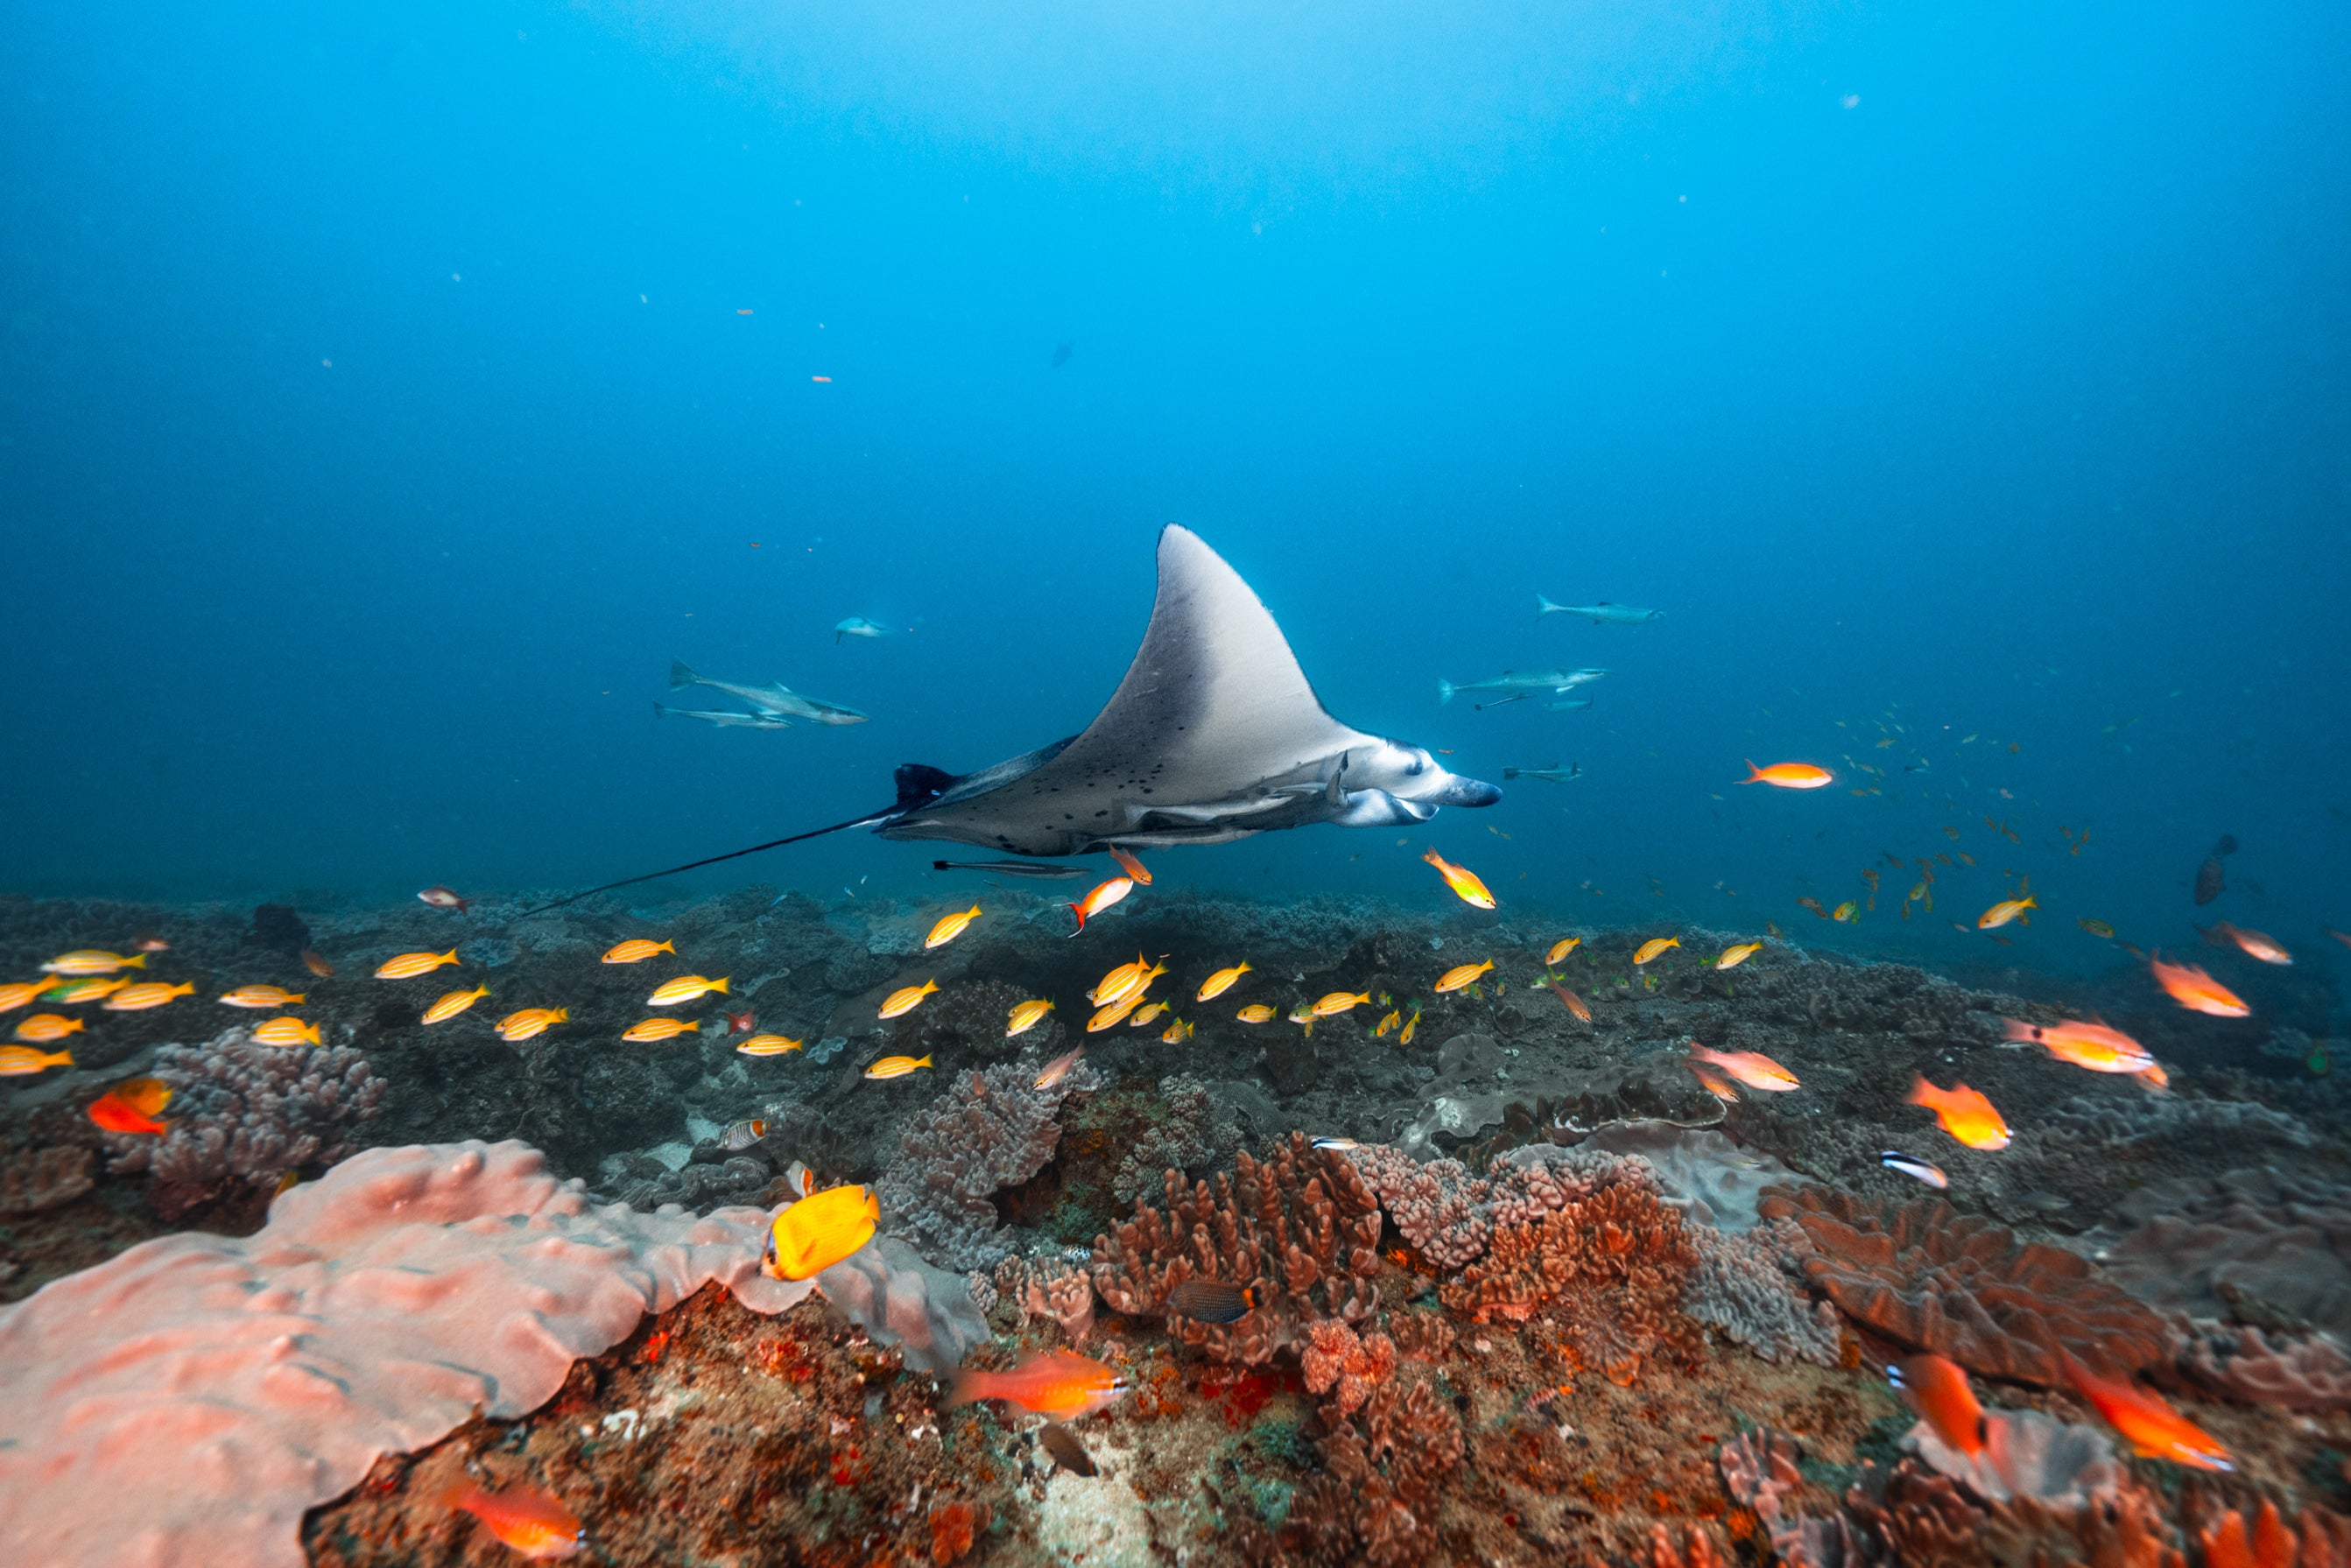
x: 820, y: 1231
x: 1133, y: 867
x: 2148, y: 1422
x: 1064, y: 1385
x: 1100, y: 899
x: 2090, y: 1045
x: 1462, y: 881
x: 131, y: 1105
x: 523, y: 1517
x: 1937, y: 1390
x: 2255, y: 943
x: 1714, y: 1083
x: 1568, y: 999
x: 1751, y: 1068
x: 1789, y: 775
x: 2197, y: 992
x: 1963, y: 1112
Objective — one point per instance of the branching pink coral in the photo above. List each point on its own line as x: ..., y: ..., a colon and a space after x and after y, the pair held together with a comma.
x: 1337, y: 1362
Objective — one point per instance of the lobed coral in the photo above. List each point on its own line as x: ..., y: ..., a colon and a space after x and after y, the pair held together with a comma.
x: 990, y: 1130
x: 1300, y: 1228
x: 2307, y: 1371
x: 1376, y: 1500
x: 1347, y: 1367
x: 1928, y: 1277
x: 250, y: 1111
x: 1186, y: 1138
x: 2255, y: 1240
x: 33, y: 1179
x: 1760, y: 1470
x: 1741, y: 1286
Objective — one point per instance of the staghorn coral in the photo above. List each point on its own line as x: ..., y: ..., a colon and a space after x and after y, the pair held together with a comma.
x: 1300, y: 1228
x: 1589, y: 1240
x: 241, y: 1109
x: 35, y: 1179
x: 990, y: 1130
x: 1347, y: 1368
x: 1186, y: 1140
x: 2307, y: 1371
x: 1927, y: 1278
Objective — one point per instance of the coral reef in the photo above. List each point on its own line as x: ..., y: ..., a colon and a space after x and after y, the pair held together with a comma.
x: 928, y: 1314
x: 1760, y: 1470
x: 35, y: 1178
x: 242, y: 1111
x: 1928, y: 1277
x: 2025, y: 1454
x: 1345, y: 1366
x: 1300, y: 1228
x: 990, y: 1130
x: 1742, y: 1286
x: 193, y: 1395
x: 2254, y: 1243
x: 2308, y: 1371
x: 1187, y: 1139
x: 700, y: 1185
x: 1438, y: 1206
x: 1375, y: 1503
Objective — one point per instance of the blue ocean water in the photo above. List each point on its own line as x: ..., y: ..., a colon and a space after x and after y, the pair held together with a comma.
x: 391, y: 395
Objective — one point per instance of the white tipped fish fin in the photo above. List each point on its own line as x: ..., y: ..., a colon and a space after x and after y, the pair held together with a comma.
x: 681, y: 675
x: 1545, y: 607
x: 1445, y: 690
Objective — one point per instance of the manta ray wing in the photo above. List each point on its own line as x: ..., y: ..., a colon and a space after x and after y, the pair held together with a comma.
x: 1214, y: 734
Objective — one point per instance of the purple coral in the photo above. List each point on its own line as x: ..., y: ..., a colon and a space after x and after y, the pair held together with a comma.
x: 250, y: 1111
x: 991, y: 1130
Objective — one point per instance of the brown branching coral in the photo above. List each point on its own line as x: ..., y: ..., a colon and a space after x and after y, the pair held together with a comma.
x: 1347, y: 1368
x: 1300, y: 1228
x: 1923, y: 1520
x: 1928, y: 1277
x: 1596, y: 1247
x: 1378, y: 1499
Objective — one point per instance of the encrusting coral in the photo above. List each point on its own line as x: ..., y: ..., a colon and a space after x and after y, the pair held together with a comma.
x: 1927, y: 1278
x: 1300, y: 1228
x: 33, y: 1179
x: 990, y: 1131
x: 2253, y: 1241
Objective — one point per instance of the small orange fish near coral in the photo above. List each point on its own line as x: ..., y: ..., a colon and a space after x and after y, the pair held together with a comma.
x: 896, y: 1066
x: 288, y: 1030
x: 21, y: 994
x: 1560, y: 949
x: 2148, y: 1422
x: 262, y: 997
x: 314, y: 961
x: 1059, y: 1068
x: 91, y: 961
x: 2090, y: 1045
x: 530, y: 1022
x: 131, y: 1105
x: 950, y: 926
x: 1567, y: 999
x: 48, y: 1027
x: 1655, y: 945
x: 1064, y: 1385
x: 150, y: 994
x: 1963, y: 1112
x: 1133, y: 867
x: 1101, y: 898
x: 452, y: 1003
x: 1788, y: 775
x: 523, y: 1517
x: 1751, y: 1068
x: 2254, y: 942
x: 2197, y: 992
x: 1936, y: 1389
x: 1461, y: 880
x: 405, y: 965
x: 1714, y: 1083
x: 1217, y: 984
x: 20, y: 1061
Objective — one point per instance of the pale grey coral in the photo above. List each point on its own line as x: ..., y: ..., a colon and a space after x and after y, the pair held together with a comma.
x: 1741, y: 1285
x: 252, y: 1110
x: 900, y: 1299
x: 2256, y: 1245
x: 702, y: 1185
x: 1185, y: 1139
x: 2025, y: 1453
x: 990, y: 1131
x: 2179, y: 1124
x: 33, y: 1179
x: 2290, y: 1372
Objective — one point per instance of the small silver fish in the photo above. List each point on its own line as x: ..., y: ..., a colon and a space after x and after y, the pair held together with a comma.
x: 1337, y: 1144
x: 1918, y: 1169
x: 1059, y: 1068
x: 743, y: 1134
x: 1601, y: 615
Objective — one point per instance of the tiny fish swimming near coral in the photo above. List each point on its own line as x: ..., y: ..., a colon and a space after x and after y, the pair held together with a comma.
x: 522, y: 1517
x: 407, y: 965
x: 150, y: 994
x: 950, y: 926
x: 1461, y: 976
x: 440, y: 897
x: 1103, y: 895
x: 132, y: 1105
x: 2255, y: 944
x: 316, y: 962
x: 92, y: 961
x: 2197, y: 992
x: 2148, y: 1422
x: 637, y: 949
x: 688, y: 988
x: 744, y: 1134
x: 648, y: 1030
x: 1062, y: 1385
x: 1025, y: 1017
x: 896, y: 1066
x: 1936, y: 1389
x: 766, y: 1045
x: 1461, y: 880
x: 286, y: 1031
x: 1217, y: 984
x: 1915, y: 1168
x: 1213, y: 1300
x: 262, y: 997
x: 1059, y: 1068
x: 1256, y: 1012
x: 530, y: 1023
x: 45, y: 1026
x: 1653, y: 947
x: 83, y: 990
x: 19, y: 993
x: 1737, y: 954
x: 1963, y: 1113
x: 2088, y: 1045
x: 1751, y: 1068
x: 1560, y: 949
x: 452, y: 1003
x: 24, y: 1061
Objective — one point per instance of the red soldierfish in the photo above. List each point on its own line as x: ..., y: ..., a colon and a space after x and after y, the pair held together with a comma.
x: 1064, y: 1385
x: 1937, y: 1390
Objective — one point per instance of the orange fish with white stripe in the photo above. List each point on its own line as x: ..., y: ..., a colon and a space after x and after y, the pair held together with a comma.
x: 407, y: 965
x: 13, y: 997
x: 1217, y: 984
x: 2088, y: 1045
x: 905, y: 999
x: 2255, y: 943
x: 452, y: 1003
x: 286, y: 1031
x: 262, y: 997
x: 530, y: 1022
x: 2148, y: 1422
x: 48, y: 1027
x: 637, y: 949
x: 147, y: 994
x: 950, y: 926
x: 92, y: 961
x: 648, y: 1030
x: 1063, y: 1385
x: 1461, y: 976
x: 1100, y: 899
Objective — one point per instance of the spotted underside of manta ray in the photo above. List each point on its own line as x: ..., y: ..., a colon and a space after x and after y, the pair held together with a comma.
x: 1214, y: 734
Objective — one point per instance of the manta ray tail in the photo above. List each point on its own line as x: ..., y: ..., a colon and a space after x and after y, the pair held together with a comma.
x: 918, y: 785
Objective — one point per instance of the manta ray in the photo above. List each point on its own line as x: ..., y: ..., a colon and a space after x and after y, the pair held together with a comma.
x: 1215, y: 734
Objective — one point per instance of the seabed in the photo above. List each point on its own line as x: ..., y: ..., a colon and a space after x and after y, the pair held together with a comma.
x: 1560, y: 1303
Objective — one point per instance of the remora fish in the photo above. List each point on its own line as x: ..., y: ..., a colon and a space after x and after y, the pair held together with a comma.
x: 774, y: 699
x: 1555, y: 681
x: 741, y: 720
x: 1554, y: 774
x: 1214, y: 734
x: 1601, y: 615
x: 859, y: 626
x: 1014, y: 868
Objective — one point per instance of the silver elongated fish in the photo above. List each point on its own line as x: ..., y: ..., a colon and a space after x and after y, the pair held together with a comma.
x: 1554, y: 774
x: 859, y: 626
x: 1527, y: 681
x: 1215, y: 733
x: 775, y: 699
x: 1601, y: 615
x: 1048, y: 869
x: 739, y: 720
